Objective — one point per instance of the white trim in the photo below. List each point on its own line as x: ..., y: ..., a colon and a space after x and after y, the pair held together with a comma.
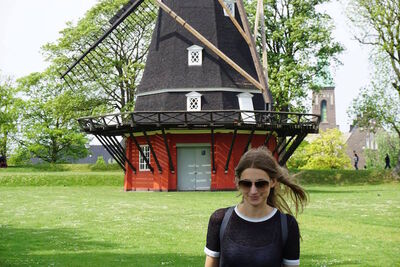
x: 211, y: 253
x: 142, y: 163
x: 181, y: 90
x: 291, y: 262
x: 262, y: 219
x: 193, y: 145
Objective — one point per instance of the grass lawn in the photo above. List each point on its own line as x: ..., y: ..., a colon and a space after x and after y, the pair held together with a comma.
x: 104, y: 226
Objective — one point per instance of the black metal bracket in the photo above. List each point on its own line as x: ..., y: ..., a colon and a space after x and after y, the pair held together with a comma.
x: 212, y: 151
x: 230, y: 150
x: 292, y: 148
x: 249, y: 141
x: 171, y: 165
x: 123, y: 152
x: 152, y: 152
x: 109, y: 150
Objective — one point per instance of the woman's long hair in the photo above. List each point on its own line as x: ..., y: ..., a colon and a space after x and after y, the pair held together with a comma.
x: 262, y: 158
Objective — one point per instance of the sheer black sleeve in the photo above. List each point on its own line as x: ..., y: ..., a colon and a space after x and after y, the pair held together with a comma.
x: 213, y: 246
x: 291, y: 251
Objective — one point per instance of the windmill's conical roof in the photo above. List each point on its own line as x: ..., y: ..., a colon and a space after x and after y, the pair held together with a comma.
x: 167, y: 66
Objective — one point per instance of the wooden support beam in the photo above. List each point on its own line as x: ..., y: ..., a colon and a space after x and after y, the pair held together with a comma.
x: 234, y: 21
x: 141, y: 152
x: 249, y: 140
x: 292, y: 148
x: 286, y: 144
x: 257, y: 19
x: 253, y: 51
x: 110, y: 151
x: 171, y: 165
x: 152, y: 152
x: 264, y: 45
x: 208, y: 44
x: 212, y: 150
x: 230, y: 150
x: 280, y: 143
x: 268, y: 137
x: 114, y: 149
x: 118, y: 145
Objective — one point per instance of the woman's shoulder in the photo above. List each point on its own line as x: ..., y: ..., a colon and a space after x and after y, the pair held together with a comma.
x: 218, y: 215
x: 292, y: 224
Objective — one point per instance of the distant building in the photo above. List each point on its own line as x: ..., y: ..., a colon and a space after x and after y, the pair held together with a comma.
x: 324, y: 105
x: 357, y: 139
x: 96, y: 151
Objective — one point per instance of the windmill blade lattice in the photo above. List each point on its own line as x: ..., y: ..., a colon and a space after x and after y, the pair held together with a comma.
x: 112, y: 65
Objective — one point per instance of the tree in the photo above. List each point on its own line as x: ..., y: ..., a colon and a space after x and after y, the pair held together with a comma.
x: 8, y: 114
x: 378, y: 22
x: 300, y: 48
x: 112, y: 73
x: 378, y: 106
x: 48, y: 125
x: 388, y: 143
x: 327, y: 151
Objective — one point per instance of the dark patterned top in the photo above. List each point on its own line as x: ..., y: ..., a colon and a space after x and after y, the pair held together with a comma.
x: 253, y: 241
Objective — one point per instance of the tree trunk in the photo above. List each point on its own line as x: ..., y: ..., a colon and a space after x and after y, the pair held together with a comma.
x: 396, y: 169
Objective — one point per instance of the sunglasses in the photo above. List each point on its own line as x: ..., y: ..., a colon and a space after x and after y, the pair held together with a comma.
x: 260, y: 185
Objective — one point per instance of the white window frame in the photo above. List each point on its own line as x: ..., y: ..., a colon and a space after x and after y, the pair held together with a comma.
x: 142, y: 163
x: 246, y: 103
x: 192, y: 50
x: 230, y: 4
x: 193, y: 96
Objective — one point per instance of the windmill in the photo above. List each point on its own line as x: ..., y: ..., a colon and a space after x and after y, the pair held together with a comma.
x: 202, y: 101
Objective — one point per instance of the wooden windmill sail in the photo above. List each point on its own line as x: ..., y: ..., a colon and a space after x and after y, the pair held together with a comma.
x: 203, y: 99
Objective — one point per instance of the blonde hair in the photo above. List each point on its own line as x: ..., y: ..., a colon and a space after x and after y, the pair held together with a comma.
x: 261, y: 158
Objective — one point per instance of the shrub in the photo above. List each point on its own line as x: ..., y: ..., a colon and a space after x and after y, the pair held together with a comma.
x: 101, y: 165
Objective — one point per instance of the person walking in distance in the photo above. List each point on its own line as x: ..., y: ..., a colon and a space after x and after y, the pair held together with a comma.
x: 355, y: 158
x: 387, y: 161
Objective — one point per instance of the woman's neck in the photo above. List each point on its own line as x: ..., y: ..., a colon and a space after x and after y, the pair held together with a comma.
x: 254, y: 211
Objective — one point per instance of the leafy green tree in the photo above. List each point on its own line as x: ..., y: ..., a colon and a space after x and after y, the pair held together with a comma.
x: 112, y: 73
x: 327, y: 151
x: 300, y: 48
x: 299, y: 157
x: 49, y: 127
x: 378, y: 105
x: 8, y: 114
x: 388, y: 143
x: 378, y: 23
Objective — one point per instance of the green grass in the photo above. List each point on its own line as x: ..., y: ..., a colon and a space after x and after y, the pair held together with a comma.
x: 104, y: 226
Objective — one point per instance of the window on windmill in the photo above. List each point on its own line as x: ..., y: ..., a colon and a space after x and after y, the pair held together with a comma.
x: 195, y: 55
x: 230, y: 4
x: 246, y: 104
x: 323, y: 111
x: 193, y: 101
x: 143, y: 166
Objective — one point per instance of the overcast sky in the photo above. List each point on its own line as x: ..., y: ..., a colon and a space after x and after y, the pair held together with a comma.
x: 26, y: 25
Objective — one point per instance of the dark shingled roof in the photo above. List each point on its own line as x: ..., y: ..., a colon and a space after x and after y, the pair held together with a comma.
x: 167, y: 61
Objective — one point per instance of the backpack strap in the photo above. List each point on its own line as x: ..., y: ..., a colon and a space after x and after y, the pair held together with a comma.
x: 284, y: 228
x: 224, y: 223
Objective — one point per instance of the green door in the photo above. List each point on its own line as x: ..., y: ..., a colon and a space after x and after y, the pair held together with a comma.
x: 194, y: 168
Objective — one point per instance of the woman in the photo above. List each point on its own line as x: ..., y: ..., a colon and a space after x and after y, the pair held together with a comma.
x: 255, y: 233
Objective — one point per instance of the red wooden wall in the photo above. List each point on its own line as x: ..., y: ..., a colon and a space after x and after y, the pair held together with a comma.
x: 167, y: 181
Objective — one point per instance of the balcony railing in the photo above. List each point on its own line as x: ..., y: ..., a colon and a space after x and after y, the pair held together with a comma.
x: 241, y: 119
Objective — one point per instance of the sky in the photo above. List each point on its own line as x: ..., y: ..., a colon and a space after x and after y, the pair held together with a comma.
x: 26, y: 25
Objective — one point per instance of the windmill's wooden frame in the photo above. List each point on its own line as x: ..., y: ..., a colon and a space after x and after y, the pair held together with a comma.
x: 228, y: 132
